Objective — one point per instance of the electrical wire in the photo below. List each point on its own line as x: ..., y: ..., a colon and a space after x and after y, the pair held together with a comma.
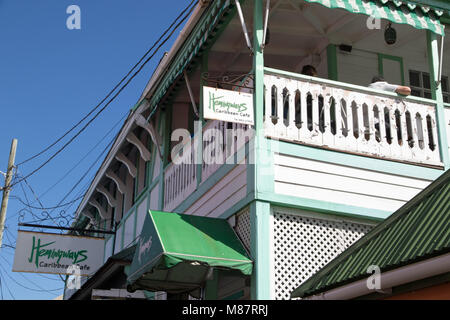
x: 25, y: 287
x: 70, y: 170
x: 114, y: 89
x: 85, y: 156
x: 7, y: 288
x: 42, y: 208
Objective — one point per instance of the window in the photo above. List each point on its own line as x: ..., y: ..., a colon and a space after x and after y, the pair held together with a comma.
x: 420, y: 83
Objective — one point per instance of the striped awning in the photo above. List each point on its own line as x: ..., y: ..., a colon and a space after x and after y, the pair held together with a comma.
x: 419, y: 17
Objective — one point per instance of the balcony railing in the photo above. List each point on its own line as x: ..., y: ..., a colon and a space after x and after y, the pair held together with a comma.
x: 220, y: 141
x: 349, y: 118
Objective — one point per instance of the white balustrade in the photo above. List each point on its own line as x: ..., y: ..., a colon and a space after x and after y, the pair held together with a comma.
x: 180, y: 180
x: 221, y: 140
x: 356, y: 120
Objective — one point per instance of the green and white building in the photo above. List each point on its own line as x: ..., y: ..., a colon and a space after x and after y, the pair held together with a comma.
x: 326, y: 160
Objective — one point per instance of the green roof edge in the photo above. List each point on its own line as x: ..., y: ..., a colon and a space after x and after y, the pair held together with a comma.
x: 306, y: 286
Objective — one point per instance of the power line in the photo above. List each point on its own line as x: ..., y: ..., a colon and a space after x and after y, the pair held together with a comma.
x: 67, y: 173
x: 60, y: 204
x: 25, y: 287
x: 85, y: 156
x: 7, y: 288
x: 114, y: 89
x: 49, y: 208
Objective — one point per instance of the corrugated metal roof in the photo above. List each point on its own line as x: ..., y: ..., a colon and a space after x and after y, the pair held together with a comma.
x: 417, y: 231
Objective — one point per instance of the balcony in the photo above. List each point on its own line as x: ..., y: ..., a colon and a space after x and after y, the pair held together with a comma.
x: 221, y: 141
x: 349, y: 118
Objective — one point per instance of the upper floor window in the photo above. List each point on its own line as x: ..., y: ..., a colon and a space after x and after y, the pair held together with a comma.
x: 420, y: 83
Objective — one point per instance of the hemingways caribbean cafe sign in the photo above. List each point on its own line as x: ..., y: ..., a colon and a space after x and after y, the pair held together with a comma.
x: 227, y: 105
x: 54, y: 253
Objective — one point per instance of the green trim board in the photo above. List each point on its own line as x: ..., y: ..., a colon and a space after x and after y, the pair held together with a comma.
x: 332, y: 63
x: 326, y: 207
x: 418, y: 231
x: 382, y: 56
x: 204, y: 30
x: 176, y: 252
x: 394, y: 11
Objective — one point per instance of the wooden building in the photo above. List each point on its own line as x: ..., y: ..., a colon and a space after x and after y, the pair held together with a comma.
x: 327, y: 159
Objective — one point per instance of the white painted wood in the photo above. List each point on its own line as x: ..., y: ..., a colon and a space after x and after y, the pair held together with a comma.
x: 154, y: 198
x: 312, y: 179
x: 347, y: 171
x: 128, y: 235
x: 111, y: 201
x: 119, y: 183
x: 447, y: 121
x: 128, y: 163
x: 356, y: 129
x: 118, y: 244
x: 223, y: 195
x: 154, y: 134
x: 102, y: 212
x: 141, y: 214
x: 108, y: 249
x: 145, y: 154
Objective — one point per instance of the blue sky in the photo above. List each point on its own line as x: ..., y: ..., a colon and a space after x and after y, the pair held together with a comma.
x: 50, y: 77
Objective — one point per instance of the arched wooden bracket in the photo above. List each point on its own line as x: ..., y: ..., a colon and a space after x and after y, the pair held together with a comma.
x: 145, y: 154
x: 90, y: 216
x: 111, y: 201
x: 154, y: 135
x: 119, y: 183
x: 128, y: 163
x: 102, y: 212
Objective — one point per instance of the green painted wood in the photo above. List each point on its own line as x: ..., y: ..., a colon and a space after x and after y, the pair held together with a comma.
x: 382, y: 56
x: 260, y: 249
x: 332, y: 62
x: 325, y: 207
x: 436, y: 92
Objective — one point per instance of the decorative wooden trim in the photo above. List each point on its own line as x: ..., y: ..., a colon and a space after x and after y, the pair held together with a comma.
x: 111, y: 201
x: 145, y: 154
x: 154, y: 135
x: 128, y: 163
x: 119, y: 183
x: 102, y: 212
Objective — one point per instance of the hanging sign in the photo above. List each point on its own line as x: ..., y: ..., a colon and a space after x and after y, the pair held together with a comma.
x: 227, y: 105
x: 58, y: 254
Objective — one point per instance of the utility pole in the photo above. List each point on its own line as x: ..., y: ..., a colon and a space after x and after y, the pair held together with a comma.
x: 7, y: 188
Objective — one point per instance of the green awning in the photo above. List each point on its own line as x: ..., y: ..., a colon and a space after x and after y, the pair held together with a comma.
x: 176, y: 252
x: 419, y: 17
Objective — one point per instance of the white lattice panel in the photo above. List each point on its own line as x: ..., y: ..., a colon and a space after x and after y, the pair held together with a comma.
x: 303, y: 245
x: 242, y: 227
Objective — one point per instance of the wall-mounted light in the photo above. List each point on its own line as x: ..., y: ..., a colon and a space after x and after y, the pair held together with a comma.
x: 390, y: 35
x: 345, y: 48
